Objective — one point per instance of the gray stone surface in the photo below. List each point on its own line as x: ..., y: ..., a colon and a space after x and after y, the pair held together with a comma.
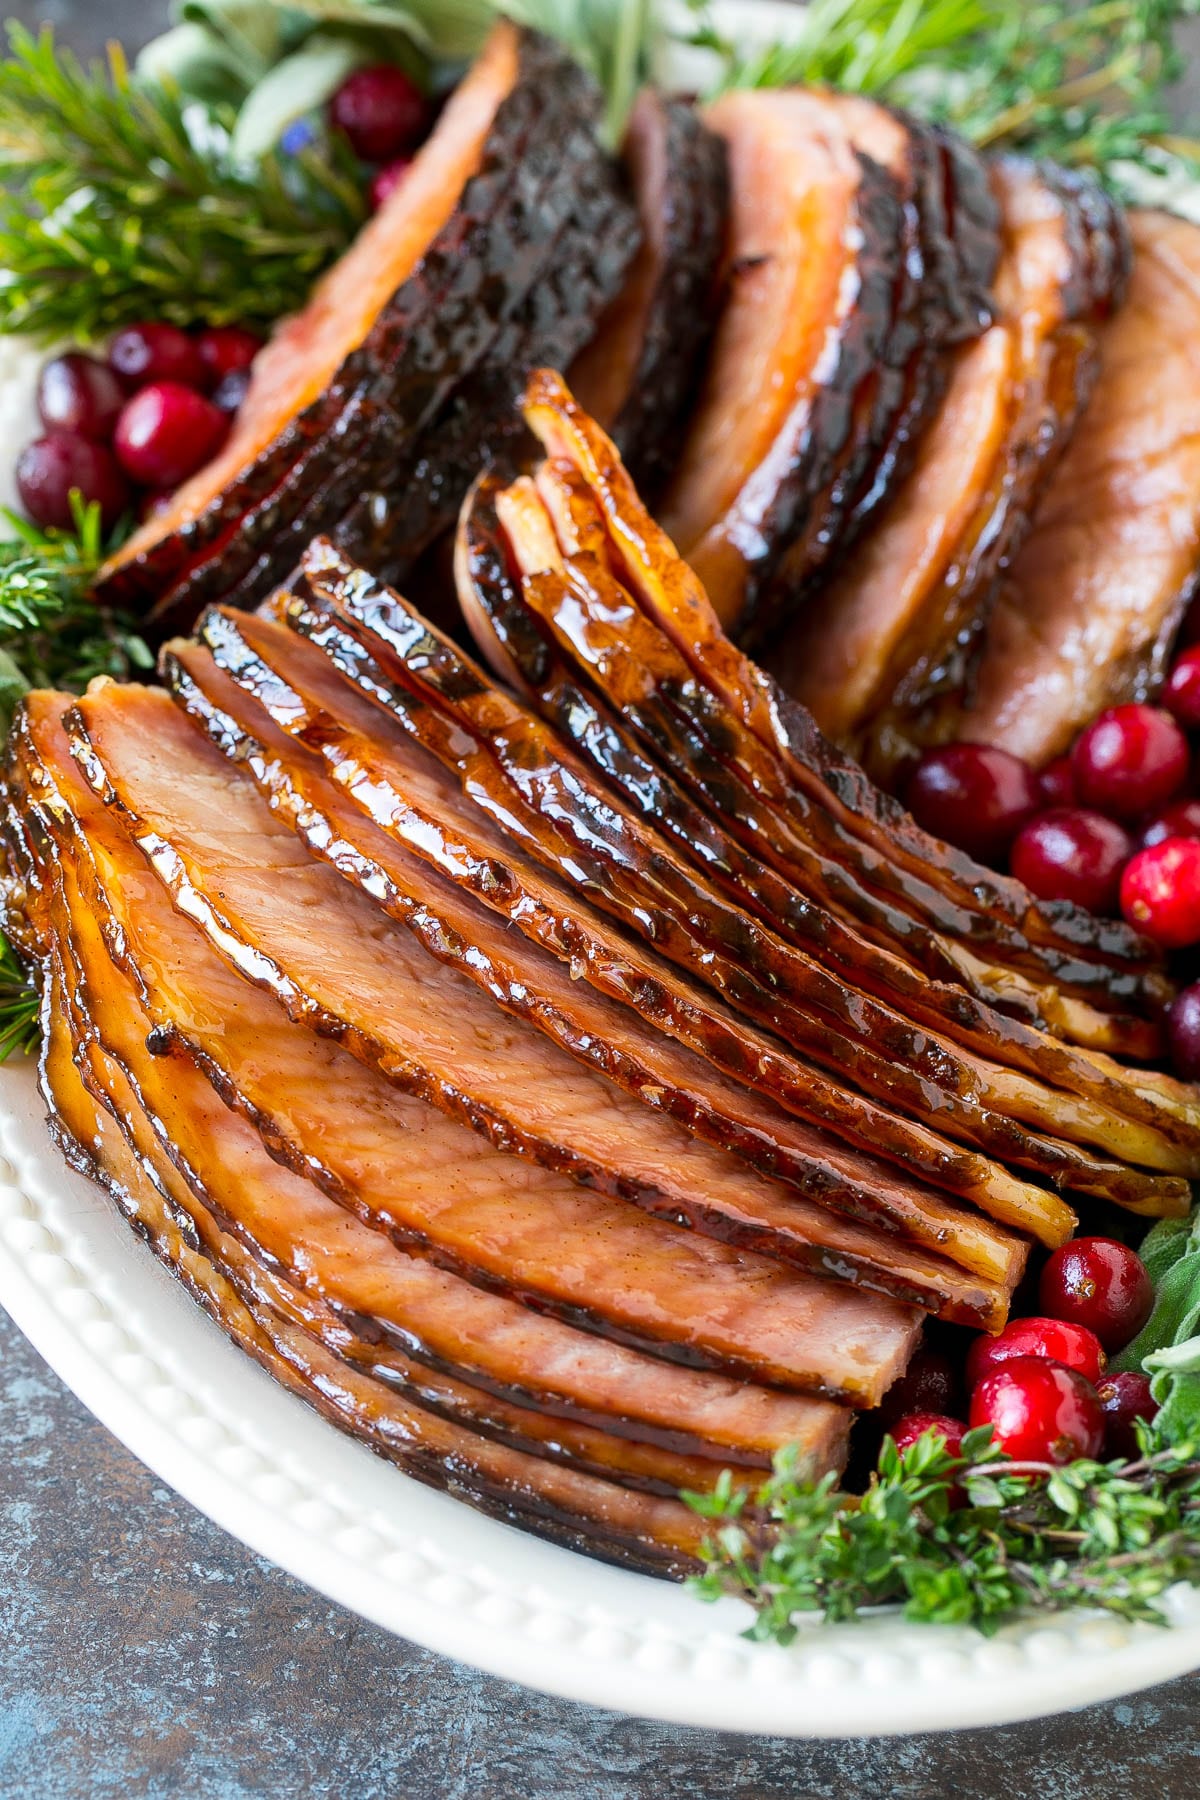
x: 143, y: 1654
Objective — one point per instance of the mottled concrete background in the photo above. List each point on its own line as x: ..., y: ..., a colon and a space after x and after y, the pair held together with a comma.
x: 143, y: 1654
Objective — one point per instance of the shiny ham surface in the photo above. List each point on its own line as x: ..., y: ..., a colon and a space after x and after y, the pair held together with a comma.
x: 245, y: 878
x: 104, y: 1134
x: 839, y: 1028
x: 1089, y: 608
x: 638, y: 373
x: 511, y: 231
x: 823, y: 348
x: 900, y: 627
x: 801, y: 778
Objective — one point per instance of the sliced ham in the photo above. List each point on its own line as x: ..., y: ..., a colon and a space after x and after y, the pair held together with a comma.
x: 246, y: 879
x: 809, y: 372
x: 637, y: 374
x: 901, y: 624
x: 1091, y: 604
x: 429, y: 311
x: 567, y: 1505
x: 809, y: 781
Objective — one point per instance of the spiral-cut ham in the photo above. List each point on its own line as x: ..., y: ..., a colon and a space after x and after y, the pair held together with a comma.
x: 428, y: 311
x: 878, y: 653
x: 1089, y: 608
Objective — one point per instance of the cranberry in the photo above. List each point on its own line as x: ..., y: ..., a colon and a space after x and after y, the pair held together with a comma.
x: 1056, y: 1340
x: 1057, y: 782
x: 973, y: 796
x: 1100, y: 1283
x: 80, y: 395
x: 1039, y: 1411
x: 931, y: 1384
x: 231, y: 390
x: 1132, y: 758
x: 167, y: 432
x: 1124, y: 1398
x: 1160, y: 892
x: 141, y: 354
x: 1183, y: 1032
x: 913, y: 1425
x: 226, y: 350
x: 381, y: 110
x: 1070, y: 854
x: 156, y: 502
x: 48, y: 469
x: 385, y: 181
x: 1181, y: 696
x: 1180, y: 819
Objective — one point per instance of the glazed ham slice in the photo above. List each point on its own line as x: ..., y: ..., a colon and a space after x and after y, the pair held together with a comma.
x: 421, y: 1319
x: 246, y: 879
x: 636, y: 375
x: 306, y: 353
x: 826, y: 359
x: 106, y: 1136
x: 1090, y: 606
x: 901, y: 623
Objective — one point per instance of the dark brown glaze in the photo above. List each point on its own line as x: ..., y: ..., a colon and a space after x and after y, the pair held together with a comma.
x: 510, y: 78
x: 488, y: 580
x: 638, y: 372
x: 397, y: 519
x: 423, y: 817
x: 368, y: 1302
x: 695, y: 1301
x: 560, y: 230
x: 569, y: 1506
x: 818, y: 266
x: 1050, y: 312
x: 1088, y: 613
x: 657, y: 897
x: 809, y: 779
x: 937, y: 302
x: 421, y: 347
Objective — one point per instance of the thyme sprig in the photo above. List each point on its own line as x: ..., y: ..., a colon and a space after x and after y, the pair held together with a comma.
x: 958, y: 1540
x: 122, y: 202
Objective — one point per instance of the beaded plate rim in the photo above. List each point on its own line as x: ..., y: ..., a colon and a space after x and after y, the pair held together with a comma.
x: 126, y: 1338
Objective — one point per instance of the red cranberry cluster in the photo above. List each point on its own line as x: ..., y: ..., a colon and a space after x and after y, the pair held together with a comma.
x: 1042, y: 1384
x: 129, y: 430
x: 384, y: 116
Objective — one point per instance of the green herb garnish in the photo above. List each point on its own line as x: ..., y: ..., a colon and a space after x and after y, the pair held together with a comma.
x: 51, y: 633
x: 1082, y: 84
x: 1030, y: 1538
x: 123, y: 203
x: 20, y: 1007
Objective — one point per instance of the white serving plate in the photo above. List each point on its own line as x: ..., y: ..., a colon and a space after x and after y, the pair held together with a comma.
x: 141, y: 1356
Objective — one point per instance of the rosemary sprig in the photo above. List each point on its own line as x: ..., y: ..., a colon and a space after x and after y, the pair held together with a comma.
x: 51, y: 633
x: 19, y: 1007
x: 1028, y: 1537
x: 1083, y: 84
x: 122, y: 202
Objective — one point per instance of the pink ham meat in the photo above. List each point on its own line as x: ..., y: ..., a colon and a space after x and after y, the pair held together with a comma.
x: 246, y: 879
x: 1090, y: 606
x: 105, y: 1136
x: 900, y: 624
